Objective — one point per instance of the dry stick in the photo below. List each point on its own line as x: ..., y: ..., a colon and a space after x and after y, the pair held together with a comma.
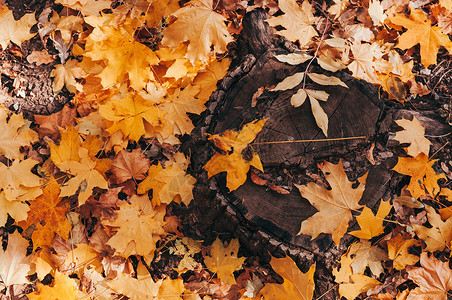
x: 309, y: 141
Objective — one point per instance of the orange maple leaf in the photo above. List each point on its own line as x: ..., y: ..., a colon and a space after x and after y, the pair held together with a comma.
x: 235, y: 164
x: 63, y: 287
x: 127, y: 165
x: 371, y: 225
x: 47, y: 210
x: 420, y: 31
x: 439, y: 236
x: 413, y: 133
x: 199, y: 24
x: 423, y: 177
x: 334, y: 206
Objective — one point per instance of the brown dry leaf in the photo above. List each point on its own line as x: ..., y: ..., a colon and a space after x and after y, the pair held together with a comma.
x: 47, y: 211
x: 48, y: 124
x: 12, y: 30
x: 372, y: 225
x: 413, y: 133
x: 127, y: 165
x: 235, y: 163
x: 40, y: 57
x: 199, y: 24
x: 420, y: 31
x: 439, y: 236
x: 297, y: 20
x: 137, y: 232
x: 334, y: 205
x: 297, y: 285
x: 65, y: 75
x: 15, y: 264
x: 223, y: 260
x: 434, y: 279
x: 398, y: 251
x: 63, y: 287
x: 418, y: 89
x: 423, y: 177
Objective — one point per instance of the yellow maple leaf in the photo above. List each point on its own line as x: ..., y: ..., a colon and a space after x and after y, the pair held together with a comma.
x: 365, y: 254
x: 169, y: 184
x: 207, y: 78
x: 297, y: 20
x: 334, y: 206
x: 199, y: 24
x: 12, y: 30
x: 86, y: 177
x: 358, y: 284
x: 371, y: 225
x: 68, y: 148
x: 420, y: 31
x: 137, y: 232
x: 398, y: 251
x: 223, y: 260
x: 18, y: 181
x: 413, y: 133
x: 65, y: 75
x: 159, y: 9
x: 63, y: 287
x: 16, y: 209
x: 144, y: 288
x: 439, y: 236
x: 46, y: 209
x: 79, y: 259
x: 235, y: 164
x: 130, y: 115
x: 15, y: 264
x: 125, y: 56
x: 297, y: 285
x: 15, y: 134
x: 423, y: 177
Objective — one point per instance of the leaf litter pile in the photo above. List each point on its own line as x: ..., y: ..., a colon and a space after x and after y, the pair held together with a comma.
x: 84, y: 191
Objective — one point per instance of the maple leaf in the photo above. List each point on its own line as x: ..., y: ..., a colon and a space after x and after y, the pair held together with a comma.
x: 127, y: 165
x: 169, y: 184
x: 420, y: 31
x: 199, y: 24
x: 178, y: 105
x: 47, y: 210
x: 63, y: 288
x: 235, y: 164
x: 297, y: 21
x: 365, y: 254
x: 17, y: 180
x: 371, y: 225
x: 137, y: 232
x: 15, y: 134
x: 136, y: 289
x: 223, y: 260
x: 367, y: 60
x: 15, y: 31
x: 434, y: 279
x: 208, y: 78
x: 358, y: 284
x: 125, y: 57
x: 16, y: 209
x: 81, y: 258
x: 68, y: 148
x: 297, y: 285
x: 65, y: 75
x: 159, y: 9
x: 131, y: 115
x: 398, y: 251
x: 15, y: 264
x: 439, y: 236
x: 423, y: 177
x: 86, y: 177
x: 413, y: 133
x: 334, y: 206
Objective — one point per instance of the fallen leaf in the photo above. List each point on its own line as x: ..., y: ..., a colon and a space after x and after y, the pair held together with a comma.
x: 439, y: 236
x: 15, y: 31
x: 40, y: 57
x: 365, y: 254
x: 358, y: 284
x: 65, y: 75
x: 128, y: 165
x: 199, y: 24
x: 235, y: 164
x: 372, y: 225
x: 423, y: 177
x: 434, y: 279
x: 334, y: 206
x: 15, y: 263
x: 398, y: 251
x: 223, y: 260
x: 420, y: 31
x: 63, y: 288
x: 18, y: 181
x: 414, y: 133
